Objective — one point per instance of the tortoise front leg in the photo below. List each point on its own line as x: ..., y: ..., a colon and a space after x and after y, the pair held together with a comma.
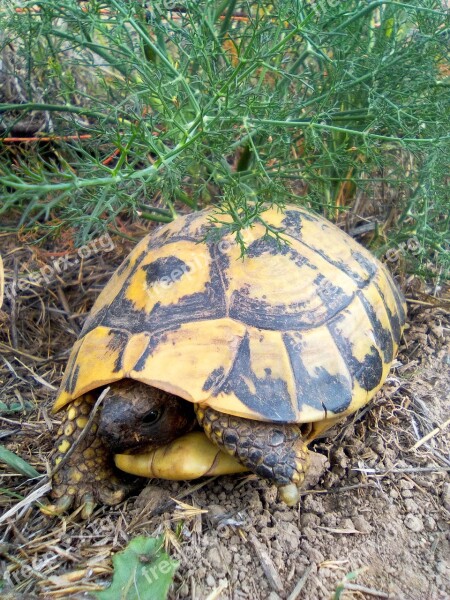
x: 273, y: 451
x: 87, y: 475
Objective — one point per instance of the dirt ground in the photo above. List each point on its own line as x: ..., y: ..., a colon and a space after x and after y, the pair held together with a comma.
x: 376, y: 514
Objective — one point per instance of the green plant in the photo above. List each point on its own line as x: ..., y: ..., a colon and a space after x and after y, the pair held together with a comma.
x: 208, y: 102
x: 142, y: 571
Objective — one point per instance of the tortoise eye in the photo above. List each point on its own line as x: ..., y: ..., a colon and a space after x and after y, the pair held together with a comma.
x: 151, y: 417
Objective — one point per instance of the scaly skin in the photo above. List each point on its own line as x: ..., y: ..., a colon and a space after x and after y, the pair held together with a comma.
x: 88, y: 476
x: 276, y: 452
x: 133, y: 415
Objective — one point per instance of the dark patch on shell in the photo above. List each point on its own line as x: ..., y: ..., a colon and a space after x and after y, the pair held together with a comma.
x: 324, y: 390
x: 292, y: 223
x: 383, y: 336
x: 123, y: 267
x: 367, y: 263
x: 394, y: 319
x: 103, y: 314
x: 155, y: 340
x: 117, y: 342
x: 267, y: 245
x: 214, y: 379
x: 71, y: 383
x: 367, y: 372
x: 168, y: 268
x: 333, y: 296
x: 267, y: 396
x: 398, y: 297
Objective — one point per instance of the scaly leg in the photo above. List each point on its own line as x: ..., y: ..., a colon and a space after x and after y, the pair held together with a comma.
x: 273, y: 451
x: 87, y: 477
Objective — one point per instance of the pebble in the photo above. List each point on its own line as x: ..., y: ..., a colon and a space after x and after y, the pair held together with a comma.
x: 310, y: 533
x: 214, y: 557
x: 346, y: 524
x: 446, y: 496
x: 314, y: 555
x: 309, y: 520
x: 361, y: 524
x: 210, y: 581
x: 413, y: 523
x: 404, y: 484
x: 291, y: 537
x: 311, y: 504
x: 443, y: 568
x: 429, y: 523
x: 285, y: 515
x: 411, y: 506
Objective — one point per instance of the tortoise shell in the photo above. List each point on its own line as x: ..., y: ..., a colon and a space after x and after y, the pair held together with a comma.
x: 296, y: 332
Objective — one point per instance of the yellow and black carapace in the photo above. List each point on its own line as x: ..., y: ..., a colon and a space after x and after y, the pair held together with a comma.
x: 263, y: 352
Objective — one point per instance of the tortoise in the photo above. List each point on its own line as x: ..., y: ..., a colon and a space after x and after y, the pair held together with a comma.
x: 264, y: 352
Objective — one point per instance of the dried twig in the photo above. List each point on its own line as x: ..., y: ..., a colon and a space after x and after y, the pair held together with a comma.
x: 429, y: 436
x: 300, y: 585
x: 267, y: 565
x: 365, y: 590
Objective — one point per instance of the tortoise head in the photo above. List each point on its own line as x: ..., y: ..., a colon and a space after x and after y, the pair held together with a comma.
x: 135, y: 415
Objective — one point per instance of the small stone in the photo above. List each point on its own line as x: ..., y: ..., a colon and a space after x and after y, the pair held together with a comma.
x: 446, y: 496
x: 318, y: 466
x: 404, y: 484
x: 214, y: 557
x: 312, y: 504
x: 310, y: 533
x: 210, y: 581
x: 183, y: 590
x: 285, y: 515
x: 273, y: 596
x: 309, y: 520
x: 361, y: 524
x: 429, y: 523
x: 316, y: 556
x: 411, y: 506
x: 346, y: 524
x: 443, y: 568
x: 291, y: 537
x: 394, y: 494
x: 331, y: 479
x: 151, y: 498
x: 413, y: 523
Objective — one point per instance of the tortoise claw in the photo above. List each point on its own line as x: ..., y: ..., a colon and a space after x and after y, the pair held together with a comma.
x: 88, y: 506
x: 61, y: 506
x: 289, y: 494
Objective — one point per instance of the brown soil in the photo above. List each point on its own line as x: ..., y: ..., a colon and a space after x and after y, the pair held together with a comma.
x: 376, y: 504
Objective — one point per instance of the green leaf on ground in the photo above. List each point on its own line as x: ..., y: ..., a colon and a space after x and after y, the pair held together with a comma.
x: 15, y: 407
x: 143, y: 571
x: 16, y: 463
